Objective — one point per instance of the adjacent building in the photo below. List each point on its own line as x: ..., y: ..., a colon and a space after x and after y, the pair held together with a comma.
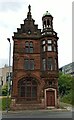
x: 4, y: 73
x: 35, y: 64
x: 68, y: 69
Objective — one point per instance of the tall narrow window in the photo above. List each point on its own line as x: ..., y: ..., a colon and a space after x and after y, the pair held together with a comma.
x: 55, y: 48
x: 49, y: 64
x: 31, y: 47
x: 43, y: 64
x: 43, y: 46
x: 47, y: 23
x: 55, y: 63
x: 27, y: 47
x: 31, y: 64
x: 27, y: 65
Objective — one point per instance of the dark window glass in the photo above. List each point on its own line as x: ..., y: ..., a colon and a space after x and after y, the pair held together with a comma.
x: 31, y: 64
x: 31, y: 47
x: 55, y: 63
x: 34, y: 91
x: 31, y: 44
x: 22, y: 90
x: 26, y: 47
x: 43, y: 64
x: 49, y: 64
x: 26, y: 44
x: 28, y: 90
x: 27, y: 64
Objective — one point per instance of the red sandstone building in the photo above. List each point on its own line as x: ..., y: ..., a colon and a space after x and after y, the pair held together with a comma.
x: 35, y: 64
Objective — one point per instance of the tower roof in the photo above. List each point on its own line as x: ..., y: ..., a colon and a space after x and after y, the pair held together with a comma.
x: 46, y: 14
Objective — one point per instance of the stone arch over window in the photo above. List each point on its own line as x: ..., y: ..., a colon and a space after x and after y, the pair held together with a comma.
x: 27, y: 88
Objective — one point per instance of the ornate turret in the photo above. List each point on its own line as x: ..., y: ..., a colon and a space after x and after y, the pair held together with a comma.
x: 47, y: 21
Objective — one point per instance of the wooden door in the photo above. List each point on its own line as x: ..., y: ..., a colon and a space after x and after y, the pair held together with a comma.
x: 50, y: 98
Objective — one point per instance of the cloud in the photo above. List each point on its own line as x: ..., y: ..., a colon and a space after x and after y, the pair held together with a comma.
x: 6, y: 5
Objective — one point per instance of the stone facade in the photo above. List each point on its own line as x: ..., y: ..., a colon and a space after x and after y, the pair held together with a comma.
x: 35, y: 65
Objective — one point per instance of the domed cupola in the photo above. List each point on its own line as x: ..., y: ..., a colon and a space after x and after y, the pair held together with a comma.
x: 47, y: 21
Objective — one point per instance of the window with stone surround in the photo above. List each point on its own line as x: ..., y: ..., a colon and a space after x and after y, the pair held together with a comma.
x: 49, y: 63
x: 43, y: 64
x: 29, y: 64
x: 28, y: 47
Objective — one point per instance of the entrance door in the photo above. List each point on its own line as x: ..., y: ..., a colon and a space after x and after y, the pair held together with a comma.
x: 50, y: 98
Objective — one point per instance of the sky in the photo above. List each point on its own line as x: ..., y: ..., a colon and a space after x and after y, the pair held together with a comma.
x: 13, y: 12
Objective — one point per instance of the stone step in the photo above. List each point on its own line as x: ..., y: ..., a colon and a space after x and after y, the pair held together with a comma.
x: 27, y: 106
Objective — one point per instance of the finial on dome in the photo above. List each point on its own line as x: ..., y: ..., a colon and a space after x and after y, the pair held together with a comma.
x: 29, y: 7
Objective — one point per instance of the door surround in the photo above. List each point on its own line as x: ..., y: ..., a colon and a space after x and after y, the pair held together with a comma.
x: 50, y: 89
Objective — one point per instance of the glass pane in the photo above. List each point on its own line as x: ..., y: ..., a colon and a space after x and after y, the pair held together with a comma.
x: 28, y: 91
x: 54, y: 48
x: 49, y: 41
x: 55, y: 64
x: 26, y: 49
x: 49, y: 48
x: 50, y: 64
x: 34, y: 91
x: 26, y: 64
x: 34, y: 82
x: 31, y: 64
x: 26, y: 44
x: 22, y: 91
x: 43, y: 47
x: 31, y: 49
x: 54, y: 42
x: 44, y: 64
x: 43, y: 42
x: 31, y: 44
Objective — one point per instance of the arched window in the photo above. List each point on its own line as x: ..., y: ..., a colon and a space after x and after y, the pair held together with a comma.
x: 27, y: 88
